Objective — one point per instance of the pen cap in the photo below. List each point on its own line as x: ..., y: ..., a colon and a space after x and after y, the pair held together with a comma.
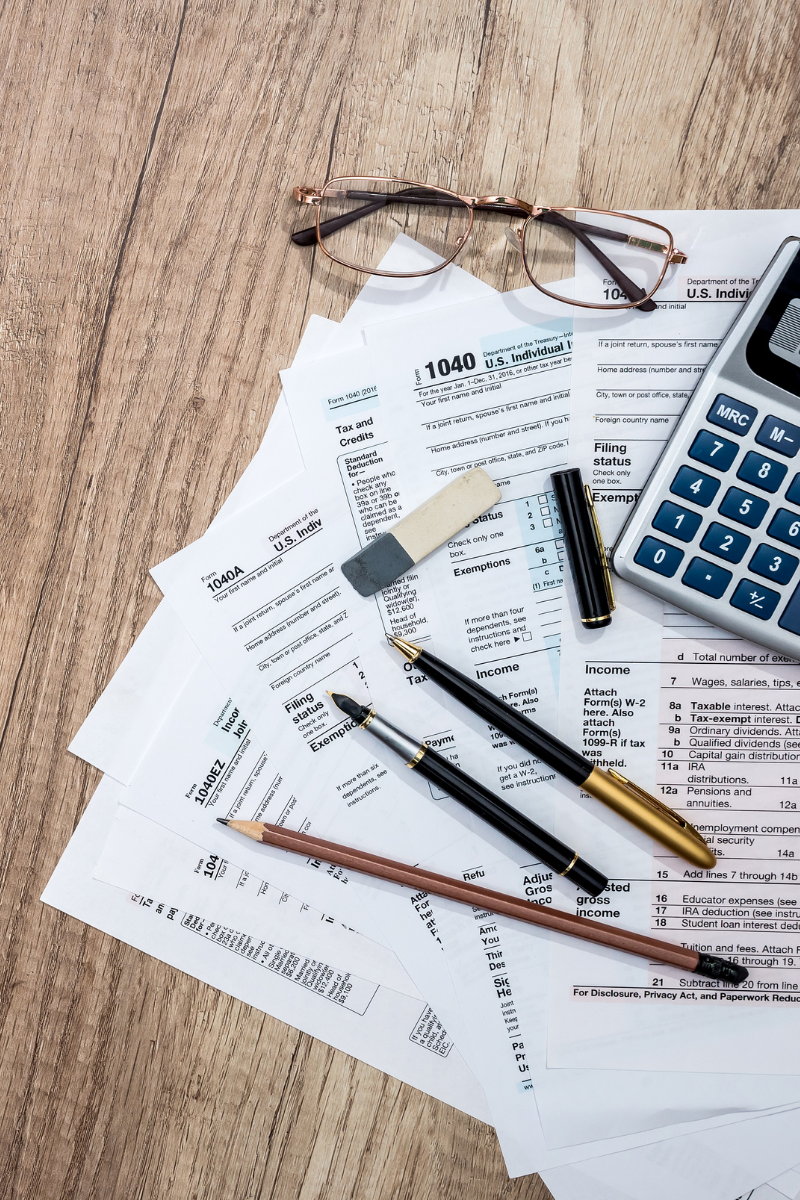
x: 586, y: 878
x: 584, y: 552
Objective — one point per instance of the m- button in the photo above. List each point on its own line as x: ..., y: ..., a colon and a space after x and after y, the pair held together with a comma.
x: 779, y: 436
x: 732, y: 414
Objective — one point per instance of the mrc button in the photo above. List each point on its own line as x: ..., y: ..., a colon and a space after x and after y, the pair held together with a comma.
x: 779, y: 436
x: 732, y: 414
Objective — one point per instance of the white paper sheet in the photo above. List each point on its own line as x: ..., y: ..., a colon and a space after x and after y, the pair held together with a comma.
x: 383, y: 1027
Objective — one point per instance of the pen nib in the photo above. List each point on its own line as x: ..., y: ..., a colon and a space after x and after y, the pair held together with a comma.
x: 354, y: 710
x: 407, y: 649
x: 223, y: 820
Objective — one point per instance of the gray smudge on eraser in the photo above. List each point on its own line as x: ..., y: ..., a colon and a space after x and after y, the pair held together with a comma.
x: 377, y: 565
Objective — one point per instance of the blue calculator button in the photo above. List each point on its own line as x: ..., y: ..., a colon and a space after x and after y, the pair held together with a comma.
x: 790, y: 617
x: 773, y: 564
x: 780, y: 436
x: 742, y: 507
x: 754, y: 599
x: 694, y: 485
x: 658, y: 556
x: 785, y: 527
x: 793, y: 491
x: 706, y: 577
x: 679, y: 522
x: 762, y: 472
x: 725, y: 543
x: 732, y: 414
x: 714, y: 451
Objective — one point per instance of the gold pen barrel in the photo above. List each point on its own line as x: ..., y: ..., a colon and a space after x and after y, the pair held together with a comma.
x: 649, y: 815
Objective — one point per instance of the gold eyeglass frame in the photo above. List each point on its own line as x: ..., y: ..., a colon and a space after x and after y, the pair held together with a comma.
x: 510, y: 204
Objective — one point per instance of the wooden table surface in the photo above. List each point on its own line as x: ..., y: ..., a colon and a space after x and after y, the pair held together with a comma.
x: 148, y: 296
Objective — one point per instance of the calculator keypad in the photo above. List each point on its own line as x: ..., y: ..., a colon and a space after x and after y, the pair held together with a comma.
x: 723, y: 536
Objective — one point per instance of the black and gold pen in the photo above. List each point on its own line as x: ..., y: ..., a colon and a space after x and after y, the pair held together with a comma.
x: 478, y: 799
x: 613, y: 789
x: 586, y: 552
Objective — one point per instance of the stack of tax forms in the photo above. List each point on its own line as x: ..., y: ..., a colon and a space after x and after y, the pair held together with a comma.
x: 608, y: 1081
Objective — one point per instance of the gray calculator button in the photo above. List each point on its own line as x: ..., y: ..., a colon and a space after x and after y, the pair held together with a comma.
x: 785, y: 527
x: 725, y: 543
x: 742, y: 507
x: 677, y: 521
x: 732, y: 414
x: 752, y: 598
x: 706, y: 577
x: 762, y: 472
x: 773, y: 564
x: 780, y: 436
x: 695, y: 485
x: 790, y: 617
x: 714, y: 451
x: 659, y: 557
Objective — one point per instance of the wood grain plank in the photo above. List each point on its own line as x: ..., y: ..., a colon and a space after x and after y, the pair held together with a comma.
x: 149, y: 294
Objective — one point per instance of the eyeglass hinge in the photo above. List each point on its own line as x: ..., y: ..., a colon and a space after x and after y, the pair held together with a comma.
x: 306, y: 195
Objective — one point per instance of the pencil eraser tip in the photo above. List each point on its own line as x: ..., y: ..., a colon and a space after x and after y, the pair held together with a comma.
x: 720, y: 968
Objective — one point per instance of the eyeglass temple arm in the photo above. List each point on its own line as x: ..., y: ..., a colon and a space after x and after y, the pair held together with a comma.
x: 307, y: 237
x: 620, y: 278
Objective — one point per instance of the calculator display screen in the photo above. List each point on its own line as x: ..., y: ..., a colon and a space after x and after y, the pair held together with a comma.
x: 773, y: 351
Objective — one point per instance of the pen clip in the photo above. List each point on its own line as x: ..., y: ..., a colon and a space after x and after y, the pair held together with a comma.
x: 657, y: 805
x: 601, y: 549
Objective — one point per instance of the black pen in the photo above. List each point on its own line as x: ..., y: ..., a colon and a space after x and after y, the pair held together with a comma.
x: 478, y: 799
x: 586, y: 552
x: 610, y: 787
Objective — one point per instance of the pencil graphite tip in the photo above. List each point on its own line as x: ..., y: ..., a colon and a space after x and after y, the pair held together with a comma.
x: 223, y: 820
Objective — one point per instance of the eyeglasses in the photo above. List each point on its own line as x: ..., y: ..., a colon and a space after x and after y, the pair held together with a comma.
x: 358, y: 218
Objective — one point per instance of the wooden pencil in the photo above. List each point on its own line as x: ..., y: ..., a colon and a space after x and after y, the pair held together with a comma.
x: 501, y: 903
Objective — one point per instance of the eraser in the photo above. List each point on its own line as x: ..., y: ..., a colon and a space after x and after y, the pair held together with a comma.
x: 423, y: 530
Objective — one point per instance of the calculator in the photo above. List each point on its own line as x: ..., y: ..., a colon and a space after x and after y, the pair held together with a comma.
x: 716, y: 530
